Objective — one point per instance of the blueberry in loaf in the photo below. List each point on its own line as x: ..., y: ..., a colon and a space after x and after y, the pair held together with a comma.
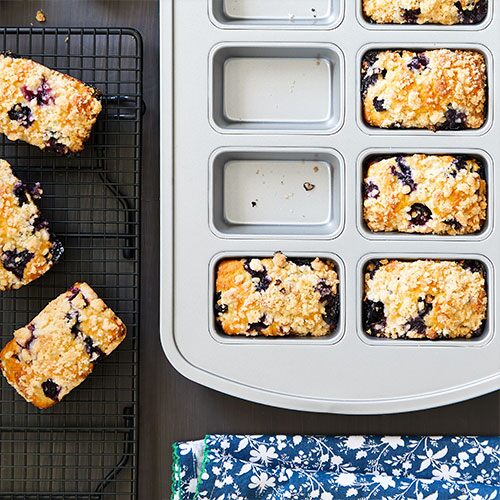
x: 28, y: 249
x: 425, y: 194
x: 45, y: 108
x: 424, y: 299
x: 58, y: 349
x: 277, y: 296
x: 434, y: 89
x: 446, y: 12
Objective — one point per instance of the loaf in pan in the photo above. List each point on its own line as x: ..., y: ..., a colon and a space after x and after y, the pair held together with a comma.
x: 277, y: 296
x: 424, y: 299
x: 447, y: 12
x: 426, y: 194
x: 437, y: 89
x: 57, y: 350
x: 28, y: 249
x: 45, y: 108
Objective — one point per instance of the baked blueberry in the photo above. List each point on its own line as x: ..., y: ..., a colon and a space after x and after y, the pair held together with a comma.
x: 51, y: 389
x: 419, y: 62
x: 403, y: 173
x: 21, y: 114
x: 410, y: 15
x: 20, y: 193
x: 260, y: 325
x: 454, y: 120
x: 379, y: 104
x: 331, y: 302
x: 420, y: 214
x: 16, y: 262
x: 92, y: 350
x: 219, y: 308
x: 370, y: 190
x: 261, y: 275
x: 56, y: 147
x: 43, y: 94
x: 374, y: 320
x: 453, y: 223
x: 472, y: 16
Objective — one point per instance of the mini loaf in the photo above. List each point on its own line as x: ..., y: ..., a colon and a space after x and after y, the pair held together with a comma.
x: 434, y: 89
x: 277, y: 296
x: 58, y: 349
x: 424, y: 299
x: 425, y: 194
x: 45, y: 108
x: 446, y: 12
x: 27, y: 247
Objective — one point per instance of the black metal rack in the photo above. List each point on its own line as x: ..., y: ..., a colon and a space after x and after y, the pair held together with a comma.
x: 86, y: 446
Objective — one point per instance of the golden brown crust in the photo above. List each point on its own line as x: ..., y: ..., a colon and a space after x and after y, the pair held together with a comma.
x: 277, y: 297
x: 45, y: 108
x: 27, y: 248
x: 424, y: 299
x: 434, y: 89
x: 57, y: 350
x: 445, y: 12
x: 425, y: 194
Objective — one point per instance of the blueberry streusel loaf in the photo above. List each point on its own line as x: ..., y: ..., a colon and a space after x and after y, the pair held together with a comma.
x: 45, y: 108
x: 425, y: 194
x: 57, y: 350
x: 27, y: 247
x: 434, y: 89
x: 424, y: 299
x: 277, y: 297
x: 446, y: 12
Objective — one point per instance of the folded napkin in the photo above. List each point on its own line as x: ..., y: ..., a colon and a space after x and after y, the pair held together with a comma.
x: 367, y: 467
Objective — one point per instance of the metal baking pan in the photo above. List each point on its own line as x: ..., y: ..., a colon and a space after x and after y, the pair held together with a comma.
x: 250, y: 122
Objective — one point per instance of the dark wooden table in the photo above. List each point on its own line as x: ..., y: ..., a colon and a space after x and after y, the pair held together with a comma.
x: 172, y: 407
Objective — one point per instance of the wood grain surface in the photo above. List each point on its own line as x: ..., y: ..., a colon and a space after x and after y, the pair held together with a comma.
x: 171, y: 407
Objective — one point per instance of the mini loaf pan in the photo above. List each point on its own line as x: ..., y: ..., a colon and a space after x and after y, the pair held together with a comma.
x: 276, y: 14
x: 261, y: 98
x: 276, y: 192
x: 276, y: 88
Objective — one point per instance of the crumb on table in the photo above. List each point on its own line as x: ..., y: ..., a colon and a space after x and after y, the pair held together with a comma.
x: 40, y: 16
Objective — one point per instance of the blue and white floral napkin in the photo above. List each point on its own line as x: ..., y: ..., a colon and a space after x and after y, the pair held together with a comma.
x: 367, y: 467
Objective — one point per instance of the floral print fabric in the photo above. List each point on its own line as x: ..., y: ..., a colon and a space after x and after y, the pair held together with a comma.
x: 357, y: 467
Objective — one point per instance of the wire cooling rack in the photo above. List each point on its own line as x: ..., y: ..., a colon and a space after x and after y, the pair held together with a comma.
x: 86, y: 446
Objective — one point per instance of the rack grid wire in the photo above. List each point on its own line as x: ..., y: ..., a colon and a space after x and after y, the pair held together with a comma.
x: 86, y: 446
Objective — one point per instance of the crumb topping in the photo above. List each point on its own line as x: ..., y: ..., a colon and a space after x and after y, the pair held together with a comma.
x: 450, y: 189
x: 57, y: 350
x: 424, y: 299
x: 435, y: 89
x: 277, y: 296
x: 27, y: 247
x: 45, y: 108
x: 446, y: 12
